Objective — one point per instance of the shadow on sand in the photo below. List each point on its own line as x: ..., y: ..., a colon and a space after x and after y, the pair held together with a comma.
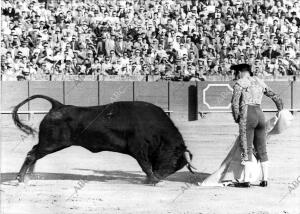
x: 107, y: 176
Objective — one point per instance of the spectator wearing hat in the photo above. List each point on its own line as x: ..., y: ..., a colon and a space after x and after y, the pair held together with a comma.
x: 236, y: 33
x: 271, y: 52
x: 120, y: 46
x: 109, y: 44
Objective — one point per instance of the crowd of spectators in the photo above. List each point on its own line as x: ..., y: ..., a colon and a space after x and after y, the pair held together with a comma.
x: 176, y: 39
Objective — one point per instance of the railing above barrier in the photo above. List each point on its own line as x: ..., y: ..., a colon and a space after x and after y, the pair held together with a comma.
x: 147, y: 78
x: 203, y: 113
x: 31, y: 113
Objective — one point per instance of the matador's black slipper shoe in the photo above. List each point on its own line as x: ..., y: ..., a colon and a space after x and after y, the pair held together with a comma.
x: 263, y: 183
x: 244, y: 184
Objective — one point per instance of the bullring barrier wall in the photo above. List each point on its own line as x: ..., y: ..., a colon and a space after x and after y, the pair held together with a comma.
x: 183, y: 99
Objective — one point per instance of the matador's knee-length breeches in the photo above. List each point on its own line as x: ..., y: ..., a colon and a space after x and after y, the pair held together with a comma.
x: 252, y: 132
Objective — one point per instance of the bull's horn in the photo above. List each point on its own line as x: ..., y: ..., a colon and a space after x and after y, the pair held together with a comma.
x: 190, y: 166
x: 190, y: 169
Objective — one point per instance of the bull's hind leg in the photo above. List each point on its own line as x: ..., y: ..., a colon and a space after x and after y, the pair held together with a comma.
x: 54, y: 136
x: 36, y: 153
x: 31, y: 168
x: 30, y: 159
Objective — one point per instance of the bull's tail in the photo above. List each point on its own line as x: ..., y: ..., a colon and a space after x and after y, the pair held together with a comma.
x: 25, y: 128
x: 189, y: 156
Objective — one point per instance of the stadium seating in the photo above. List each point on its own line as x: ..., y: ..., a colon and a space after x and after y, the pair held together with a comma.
x: 172, y: 39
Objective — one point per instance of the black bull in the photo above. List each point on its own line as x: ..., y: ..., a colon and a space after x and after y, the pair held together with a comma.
x: 139, y: 129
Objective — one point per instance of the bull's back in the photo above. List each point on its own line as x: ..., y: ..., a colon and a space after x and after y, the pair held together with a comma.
x: 121, y: 115
x: 143, y: 114
x: 115, y: 122
x: 124, y: 113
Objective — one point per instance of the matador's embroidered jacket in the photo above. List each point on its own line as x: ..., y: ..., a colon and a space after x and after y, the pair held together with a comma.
x: 249, y: 91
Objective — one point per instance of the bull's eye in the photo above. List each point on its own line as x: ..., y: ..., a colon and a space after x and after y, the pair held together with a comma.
x: 109, y: 115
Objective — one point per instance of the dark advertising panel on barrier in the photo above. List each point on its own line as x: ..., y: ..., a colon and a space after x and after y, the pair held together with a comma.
x: 152, y: 92
x: 81, y: 93
x: 12, y: 93
x: 51, y: 89
x: 115, y: 91
x: 181, y: 97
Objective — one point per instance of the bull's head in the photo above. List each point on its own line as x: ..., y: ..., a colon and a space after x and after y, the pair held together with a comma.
x: 169, y: 162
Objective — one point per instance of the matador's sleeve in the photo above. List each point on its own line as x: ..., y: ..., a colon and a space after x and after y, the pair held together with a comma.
x: 270, y: 93
x: 275, y: 97
x: 235, y: 102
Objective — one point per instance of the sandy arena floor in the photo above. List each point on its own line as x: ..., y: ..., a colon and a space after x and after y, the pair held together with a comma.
x: 113, y: 183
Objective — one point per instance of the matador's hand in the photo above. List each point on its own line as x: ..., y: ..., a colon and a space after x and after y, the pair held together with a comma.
x: 237, y: 119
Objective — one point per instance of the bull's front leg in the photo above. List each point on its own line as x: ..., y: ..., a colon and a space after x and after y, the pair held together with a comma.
x: 147, y: 168
x: 140, y: 152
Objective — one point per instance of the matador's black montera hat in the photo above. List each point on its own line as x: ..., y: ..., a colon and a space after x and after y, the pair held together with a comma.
x: 241, y: 67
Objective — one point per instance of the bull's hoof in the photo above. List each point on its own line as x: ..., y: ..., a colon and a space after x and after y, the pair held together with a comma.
x: 162, y: 183
x: 151, y: 180
x: 20, y: 178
